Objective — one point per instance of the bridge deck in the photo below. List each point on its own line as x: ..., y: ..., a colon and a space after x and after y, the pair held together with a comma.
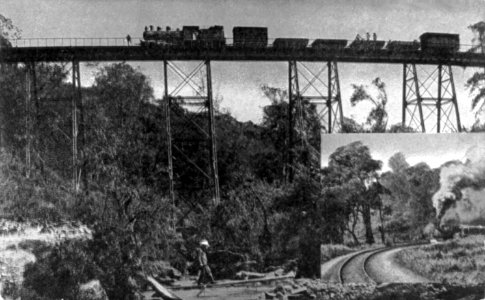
x: 138, y: 53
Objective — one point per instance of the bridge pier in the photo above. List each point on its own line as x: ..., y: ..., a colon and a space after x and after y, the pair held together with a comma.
x: 430, y: 105
x: 77, y: 113
x: 196, y: 112
x: 30, y: 93
x: 317, y: 100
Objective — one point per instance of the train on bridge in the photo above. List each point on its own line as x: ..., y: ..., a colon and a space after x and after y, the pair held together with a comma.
x: 257, y: 38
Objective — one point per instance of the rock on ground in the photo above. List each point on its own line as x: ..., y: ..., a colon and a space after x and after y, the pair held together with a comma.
x: 92, y: 290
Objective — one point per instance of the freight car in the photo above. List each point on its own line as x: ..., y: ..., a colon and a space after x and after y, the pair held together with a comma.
x: 364, y: 45
x: 284, y: 43
x: 329, y: 44
x: 402, y: 46
x: 440, y: 43
x: 250, y: 37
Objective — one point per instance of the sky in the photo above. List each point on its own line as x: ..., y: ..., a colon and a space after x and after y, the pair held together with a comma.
x: 238, y: 83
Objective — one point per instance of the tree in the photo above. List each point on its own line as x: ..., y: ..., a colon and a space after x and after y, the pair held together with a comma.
x: 354, y: 163
x: 377, y: 118
x: 8, y: 31
x: 306, y: 131
x: 410, y: 190
x: 398, y: 162
x: 476, y: 83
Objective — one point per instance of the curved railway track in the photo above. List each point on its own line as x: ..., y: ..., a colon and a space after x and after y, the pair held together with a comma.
x: 356, y: 268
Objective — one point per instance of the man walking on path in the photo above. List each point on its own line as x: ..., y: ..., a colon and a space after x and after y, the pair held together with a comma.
x: 205, y: 274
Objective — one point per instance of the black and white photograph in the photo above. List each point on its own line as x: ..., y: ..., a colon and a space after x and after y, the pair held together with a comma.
x: 242, y: 149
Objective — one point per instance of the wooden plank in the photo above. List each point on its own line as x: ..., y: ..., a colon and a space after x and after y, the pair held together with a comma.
x: 234, y: 283
x: 164, y: 293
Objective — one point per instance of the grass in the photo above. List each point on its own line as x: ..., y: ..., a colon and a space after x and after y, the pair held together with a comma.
x: 327, y: 252
x: 458, y: 261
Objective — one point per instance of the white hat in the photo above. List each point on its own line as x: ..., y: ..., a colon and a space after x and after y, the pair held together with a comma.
x: 204, y: 243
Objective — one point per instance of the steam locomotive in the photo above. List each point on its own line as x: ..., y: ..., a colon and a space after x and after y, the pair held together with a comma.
x: 257, y: 37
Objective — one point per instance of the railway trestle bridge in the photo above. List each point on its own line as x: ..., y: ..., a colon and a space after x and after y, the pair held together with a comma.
x: 429, y: 102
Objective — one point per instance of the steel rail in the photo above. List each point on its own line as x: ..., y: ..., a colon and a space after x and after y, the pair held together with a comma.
x: 374, y: 252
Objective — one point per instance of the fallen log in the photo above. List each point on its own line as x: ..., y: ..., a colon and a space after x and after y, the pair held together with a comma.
x: 229, y: 283
x: 161, y: 290
x: 249, y: 275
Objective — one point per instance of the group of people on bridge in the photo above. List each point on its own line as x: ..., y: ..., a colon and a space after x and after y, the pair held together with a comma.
x: 359, y: 38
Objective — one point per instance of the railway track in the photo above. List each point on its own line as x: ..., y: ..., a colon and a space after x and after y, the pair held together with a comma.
x: 357, y: 267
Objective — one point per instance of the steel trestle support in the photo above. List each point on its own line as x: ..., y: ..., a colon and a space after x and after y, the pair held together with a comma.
x: 430, y: 105
x: 30, y: 93
x: 313, y: 94
x: 77, y: 115
x: 196, y: 119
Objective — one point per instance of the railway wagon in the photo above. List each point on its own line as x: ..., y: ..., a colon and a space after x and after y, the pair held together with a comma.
x: 290, y: 43
x: 364, y: 45
x: 329, y: 44
x: 402, y: 46
x: 212, y: 37
x: 440, y: 42
x: 250, y: 37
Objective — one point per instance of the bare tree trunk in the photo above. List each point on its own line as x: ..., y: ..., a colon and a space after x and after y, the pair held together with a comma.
x: 381, y: 227
x: 369, y: 236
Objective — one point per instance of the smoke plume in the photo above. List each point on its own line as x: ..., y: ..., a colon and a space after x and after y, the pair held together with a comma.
x: 462, y: 189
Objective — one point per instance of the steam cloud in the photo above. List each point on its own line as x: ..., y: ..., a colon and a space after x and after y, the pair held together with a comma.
x: 462, y: 188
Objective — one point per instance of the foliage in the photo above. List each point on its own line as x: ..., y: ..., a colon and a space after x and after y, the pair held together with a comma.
x: 57, y: 273
x: 377, y: 118
x: 351, y: 167
x: 476, y: 83
x: 331, y: 251
x: 306, y: 131
x: 8, y: 31
x: 409, y: 197
x: 460, y: 262
x: 43, y: 197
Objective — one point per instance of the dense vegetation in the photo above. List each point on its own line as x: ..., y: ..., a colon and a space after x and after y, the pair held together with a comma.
x: 461, y: 262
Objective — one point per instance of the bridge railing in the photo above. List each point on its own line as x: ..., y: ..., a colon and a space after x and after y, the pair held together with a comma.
x: 122, y: 41
x: 74, y: 42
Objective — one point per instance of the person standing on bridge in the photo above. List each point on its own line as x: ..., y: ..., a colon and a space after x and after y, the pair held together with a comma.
x: 128, y: 40
x: 205, y: 274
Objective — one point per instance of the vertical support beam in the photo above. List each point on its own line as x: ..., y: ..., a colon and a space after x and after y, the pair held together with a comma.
x: 329, y: 99
x: 82, y: 129
x: 404, y: 93
x: 168, y: 128
x: 2, y: 115
x: 28, y: 118
x: 412, y: 99
x: 338, y: 95
x: 291, y: 103
x: 438, y: 104
x: 212, y: 135
x: 419, y: 99
x: 454, y: 98
x: 74, y: 111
